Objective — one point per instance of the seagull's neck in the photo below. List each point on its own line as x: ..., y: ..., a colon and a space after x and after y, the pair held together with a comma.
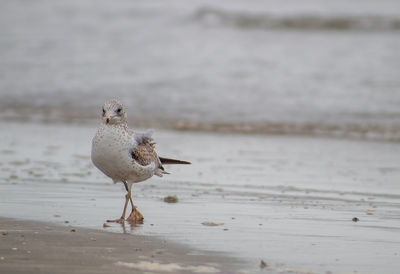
x: 123, y: 126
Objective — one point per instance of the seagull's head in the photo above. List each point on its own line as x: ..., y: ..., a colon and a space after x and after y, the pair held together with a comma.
x: 113, y: 113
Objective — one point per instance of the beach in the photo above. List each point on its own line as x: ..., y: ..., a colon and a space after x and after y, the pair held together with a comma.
x: 288, y: 111
x: 34, y: 247
x: 287, y: 200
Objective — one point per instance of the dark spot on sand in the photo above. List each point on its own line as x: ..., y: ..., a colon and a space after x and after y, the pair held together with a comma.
x: 171, y: 199
x: 19, y: 163
x: 4, y: 233
x: 73, y: 230
x: 263, y: 264
x: 211, y: 224
x: 355, y: 219
x: 6, y: 151
x: 38, y: 175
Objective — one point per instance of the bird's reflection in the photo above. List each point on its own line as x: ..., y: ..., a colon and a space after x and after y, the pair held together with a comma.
x: 130, y: 226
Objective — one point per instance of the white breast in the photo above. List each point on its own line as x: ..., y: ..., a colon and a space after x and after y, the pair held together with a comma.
x: 111, y: 153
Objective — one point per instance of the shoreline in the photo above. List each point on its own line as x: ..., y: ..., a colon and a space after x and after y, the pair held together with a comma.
x: 252, y: 197
x: 347, y: 131
x: 39, y: 247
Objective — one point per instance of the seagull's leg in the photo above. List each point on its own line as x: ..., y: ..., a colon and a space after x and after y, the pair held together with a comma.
x: 127, y: 198
x: 135, y: 215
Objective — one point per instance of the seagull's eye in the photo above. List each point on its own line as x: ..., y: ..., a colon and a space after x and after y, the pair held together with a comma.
x: 104, y: 112
x: 119, y: 110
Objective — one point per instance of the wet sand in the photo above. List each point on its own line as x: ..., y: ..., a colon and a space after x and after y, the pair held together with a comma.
x: 34, y: 247
x: 287, y: 200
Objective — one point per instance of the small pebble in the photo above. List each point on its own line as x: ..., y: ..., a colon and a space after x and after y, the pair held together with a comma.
x: 4, y: 233
x: 73, y: 230
x: 171, y: 199
x: 355, y: 219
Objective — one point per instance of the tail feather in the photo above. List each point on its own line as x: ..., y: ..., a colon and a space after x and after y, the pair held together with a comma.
x: 167, y: 161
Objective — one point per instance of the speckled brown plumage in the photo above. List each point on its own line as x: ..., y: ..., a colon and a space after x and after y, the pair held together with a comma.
x: 145, y: 154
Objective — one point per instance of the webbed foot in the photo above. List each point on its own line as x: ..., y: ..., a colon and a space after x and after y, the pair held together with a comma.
x: 120, y: 221
x: 135, y: 217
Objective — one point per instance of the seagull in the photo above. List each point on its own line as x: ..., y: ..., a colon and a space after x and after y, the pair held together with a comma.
x: 126, y: 156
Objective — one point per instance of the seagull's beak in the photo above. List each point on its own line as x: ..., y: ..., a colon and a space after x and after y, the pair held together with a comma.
x: 108, y: 119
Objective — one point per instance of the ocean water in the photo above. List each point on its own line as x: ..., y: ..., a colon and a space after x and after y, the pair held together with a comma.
x: 309, y: 67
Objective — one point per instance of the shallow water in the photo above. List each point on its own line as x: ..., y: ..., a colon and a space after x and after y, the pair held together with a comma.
x: 274, y: 66
x: 287, y: 200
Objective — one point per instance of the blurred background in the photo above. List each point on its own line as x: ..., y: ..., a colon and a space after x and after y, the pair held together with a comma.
x: 310, y: 67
